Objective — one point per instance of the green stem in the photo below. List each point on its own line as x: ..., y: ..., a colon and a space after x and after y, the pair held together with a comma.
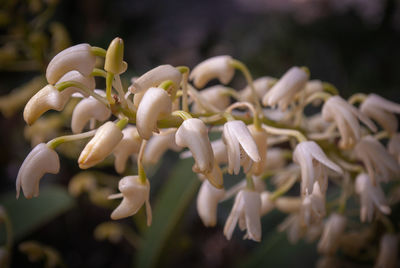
x: 359, y: 97
x: 289, y: 132
x: 120, y: 90
x: 256, y: 119
x: 141, y: 171
x: 9, y: 228
x: 109, y: 81
x: 182, y: 114
x: 166, y: 84
x: 318, y: 95
x: 228, y: 117
x: 185, y: 105
x: 63, y: 85
x: 121, y: 124
x: 250, y: 182
x: 98, y: 51
x: 328, y: 87
x: 60, y: 140
x: 99, y: 72
x: 284, y: 188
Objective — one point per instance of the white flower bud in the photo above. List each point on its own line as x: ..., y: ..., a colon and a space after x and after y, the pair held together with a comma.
x: 260, y: 137
x: 155, y: 104
x: 100, y: 146
x: 86, y: 109
x: 284, y: 91
x: 388, y: 251
x: 79, y: 57
x: 333, y: 230
x: 266, y: 204
x: 130, y: 144
x: 215, y: 96
x: 40, y: 160
x: 76, y: 76
x: 135, y: 194
x: 207, y: 203
x: 193, y: 134
x: 246, y: 210
x: 155, y: 77
x: 216, y: 67
x: 261, y: 85
x: 158, y: 145
x: 241, y: 147
x: 394, y: 146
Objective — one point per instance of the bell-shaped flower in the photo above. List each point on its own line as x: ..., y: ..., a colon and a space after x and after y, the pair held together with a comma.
x: 382, y: 111
x: 215, y: 96
x: 313, y: 206
x: 388, y: 251
x: 371, y: 197
x: 193, y: 133
x: 381, y: 166
x: 394, y: 146
x: 76, y: 76
x: 155, y: 104
x: 333, y: 230
x: 135, y: 194
x: 216, y: 67
x: 79, y: 57
x: 241, y: 147
x: 246, y: 210
x: 100, y: 146
x: 129, y: 145
x: 260, y: 137
x: 345, y: 117
x: 285, y: 90
x: 155, y: 77
x: 40, y: 160
x: 158, y: 145
x: 261, y: 85
x: 313, y: 163
x: 87, y: 109
x: 207, y: 203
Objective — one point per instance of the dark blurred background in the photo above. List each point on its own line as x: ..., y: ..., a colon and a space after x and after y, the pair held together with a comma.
x: 353, y: 44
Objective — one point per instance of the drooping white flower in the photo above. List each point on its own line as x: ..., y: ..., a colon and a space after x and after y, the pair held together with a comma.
x: 241, y: 147
x: 333, y: 230
x: 246, y: 210
x: 381, y: 166
x: 87, y: 109
x: 260, y: 137
x: 155, y: 104
x: 394, y: 146
x: 382, y: 111
x: 129, y: 145
x: 216, y: 67
x: 100, y: 146
x: 158, y: 145
x: 371, y: 197
x: 207, y: 203
x: 135, y: 195
x: 79, y: 57
x: 261, y: 85
x: 313, y: 163
x: 76, y: 76
x: 40, y: 160
x: 388, y: 251
x: 313, y: 206
x: 284, y: 91
x: 345, y: 117
x: 215, y: 96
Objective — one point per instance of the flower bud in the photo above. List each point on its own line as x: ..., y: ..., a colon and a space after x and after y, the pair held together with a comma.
x: 266, y: 204
x: 100, y: 146
x: 215, y: 96
x: 40, y: 160
x: 216, y: 67
x: 261, y: 85
x: 79, y: 57
x: 207, y: 202
x: 155, y: 104
x: 114, y: 62
x: 158, y: 145
x: 130, y: 144
x: 76, y: 76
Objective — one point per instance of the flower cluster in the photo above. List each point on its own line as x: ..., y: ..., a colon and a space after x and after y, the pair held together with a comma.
x: 264, y: 134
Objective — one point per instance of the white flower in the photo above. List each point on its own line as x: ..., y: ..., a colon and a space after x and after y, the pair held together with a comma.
x: 135, y: 194
x: 381, y: 166
x: 382, y: 111
x: 345, y: 117
x: 100, y: 146
x: 155, y: 104
x: 158, y: 145
x: 313, y: 163
x: 394, y: 146
x: 207, y: 202
x: 260, y: 137
x: 193, y: 134
x: 40, y: 160
x: 246, y: 210
x: 215, y: 96
x: 261, y: 85
x: 333, y: 230
x: 288, y: 204
x: 388, y: 251
x: 155, y: 77
x: 216, y: 67
x: 130, y: 144
x: 266, y: 204
x: 275, y: 159
x: 371, y: 196
x: 87, y: 109
x: 79, y: 57
x: 241, y: 147
x: 76, y: 76
x: 293, y: 227
x: 285, y: 90
x: 313, y: 206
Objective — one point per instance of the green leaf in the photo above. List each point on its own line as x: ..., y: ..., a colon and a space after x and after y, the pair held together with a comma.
x: 27, y: 215
x: 172, y: 202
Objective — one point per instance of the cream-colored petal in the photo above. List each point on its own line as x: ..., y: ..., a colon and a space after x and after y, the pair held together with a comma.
x: 233, y: 150
x: 130, y: 144
x: 260, y: 137
x: 207, y: 202
x: 252, y: 210
x: 158, y: 145
x: 261, y: 85
x: 216, y: 67
x: 233, y: 217
x: 214, y: 96
x: 76, y: 76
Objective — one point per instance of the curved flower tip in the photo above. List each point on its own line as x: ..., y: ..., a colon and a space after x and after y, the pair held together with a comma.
x: 86, y: 109
x: 155, y: 104
x: 48, y: 98
x: 76, y: 76
x: 246, y: 210
x: 207, y: 203
x: 216, y: 67
x: 193, y: 134
x: 40, y: 160
x: 241, y: 147
x: 100, y: 146
x: 155, y: 77
x: 79, y: 57
x: 129, y: 145
x: 135, y: 195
